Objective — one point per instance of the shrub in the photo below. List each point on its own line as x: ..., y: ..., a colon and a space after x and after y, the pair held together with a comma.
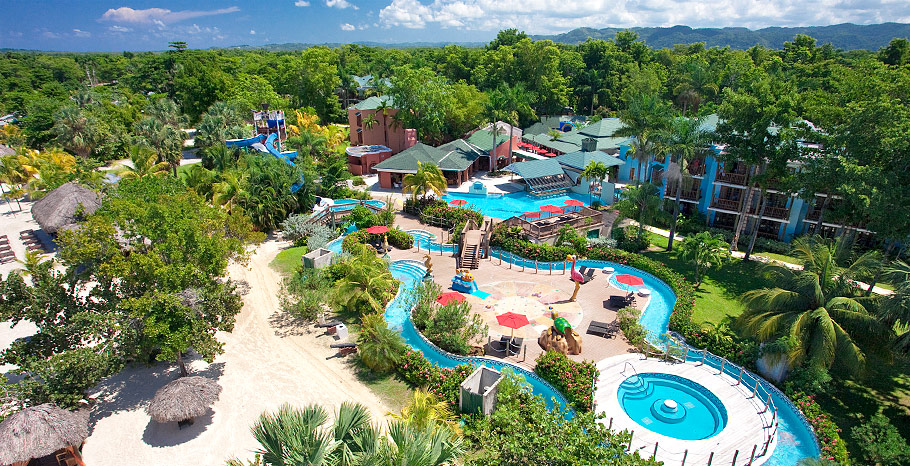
x: 568, y: 236
x: 602, y: 241
x: 358, y: 181
x: 627, y: 318
x: 396, y: 238
x: 451, y: 327
x: 379, y: 347
x: 576, y: 380
x: 627, y: 239
x: 445, y: 384
x: 512, y: 240
x: 832, y: 445
x: 880, y: 443
x: 362, y: 217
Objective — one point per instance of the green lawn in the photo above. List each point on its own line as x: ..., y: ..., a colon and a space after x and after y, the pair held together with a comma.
x: 658, y: 240
x: 394, y: 392
x: 780, y: 257
x: 287, y: 261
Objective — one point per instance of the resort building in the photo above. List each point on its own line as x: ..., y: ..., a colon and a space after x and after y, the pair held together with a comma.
x: 458, y: 160
x: 372, y: 122
x: 719, y: 189
x: 482, y: 139
x: 604, y: 132
x: 362, y: 159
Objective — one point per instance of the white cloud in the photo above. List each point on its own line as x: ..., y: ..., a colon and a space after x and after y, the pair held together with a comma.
x: 347, y: 27
x: 116, y: 28
x: 252, y: 32
x: 301, y: 3
x: 340, y: 4
x: 81, y: 33
x: 553, y: 16
x: 160, y: 16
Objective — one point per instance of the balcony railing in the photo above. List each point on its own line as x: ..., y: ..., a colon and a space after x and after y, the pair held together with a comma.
x: 732, y: 178
x: 690, y: 195
x: 726, y: 204
x: 782, y: 213
x: 696, y: 168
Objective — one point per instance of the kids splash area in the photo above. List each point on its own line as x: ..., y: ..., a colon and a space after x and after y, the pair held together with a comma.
x: 682, y: 405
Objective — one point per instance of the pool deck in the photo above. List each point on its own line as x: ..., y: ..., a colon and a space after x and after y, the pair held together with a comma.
x: 490, y: 277
x: 748, y: 424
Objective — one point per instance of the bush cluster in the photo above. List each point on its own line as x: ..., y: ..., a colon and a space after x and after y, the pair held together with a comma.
x: 627, y: 239
x: 439, y: 213
x: 627, y: 318
x: 397, y: 239
x: 575, y: 380
x: 417, y: 371
x: 311, y: 235
x: 832, y: 445
x: 451, y: 327
x: 512, y: 239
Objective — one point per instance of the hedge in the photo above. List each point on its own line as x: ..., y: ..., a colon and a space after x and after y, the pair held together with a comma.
x: 397, y: 238
x: 832, y: 445
x: 574, y: 379
x: 417, y: 371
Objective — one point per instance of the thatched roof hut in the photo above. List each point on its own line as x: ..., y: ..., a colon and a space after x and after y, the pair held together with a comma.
x: 60, y: 207
x: 183, y: 399
x: 40, y: 431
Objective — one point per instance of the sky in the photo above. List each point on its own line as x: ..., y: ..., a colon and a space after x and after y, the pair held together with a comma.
x: 114, y: 26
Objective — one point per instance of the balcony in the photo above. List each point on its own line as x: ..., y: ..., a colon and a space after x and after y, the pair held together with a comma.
x: 725, y: 204
x: 696, y: 168
x: 547, y: 228
x: 738, y: 179
x: 691, y: 195
x: 779, y: 213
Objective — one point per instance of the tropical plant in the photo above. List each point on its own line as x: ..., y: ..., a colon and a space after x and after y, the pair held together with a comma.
x: 220, y: 122
x: 166, y: 140
x: 894, y: 310
x: 703, y: 251
x: 78, y: 131
x: 230, y: 190
x: 684, y: 140
x: 425, y: 411
x: 379, y: 346
x: 367, y: 285
x: 880, y: 442
x: 641, y: 203
x: 820, y: 307
x: 644, y: 117
x: 594, y: 172
x: 428, y: 177
x: 143, y: 163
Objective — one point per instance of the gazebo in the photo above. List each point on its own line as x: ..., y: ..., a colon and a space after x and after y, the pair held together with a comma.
x: 183, y: 399
x: 64, y: 205
x: 40, y: 431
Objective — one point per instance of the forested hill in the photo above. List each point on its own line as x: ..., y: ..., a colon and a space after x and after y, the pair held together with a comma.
x: 844, y: 36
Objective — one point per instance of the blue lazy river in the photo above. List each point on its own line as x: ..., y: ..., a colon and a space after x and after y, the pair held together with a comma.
x: 398, y: 315
x: 504, y: 206
x: 672, y: 406
x: 795, y: 437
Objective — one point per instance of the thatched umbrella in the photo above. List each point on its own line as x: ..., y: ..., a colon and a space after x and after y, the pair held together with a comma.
x: 183, y: 399
x: 40, y: 431
x: 60, y: 207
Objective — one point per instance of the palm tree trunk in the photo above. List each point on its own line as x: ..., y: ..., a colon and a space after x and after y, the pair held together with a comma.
x: 493, y: 151
x: 881, y: 267
x: 511, y: 128
x: 182, y: 365
x: 742, y: 210
x: 761, y: 211
x: 821, y: 215
x: 675, y: 214
x: 638, y: 175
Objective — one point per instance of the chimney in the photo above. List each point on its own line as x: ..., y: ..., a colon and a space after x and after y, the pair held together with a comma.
x: 588, y: 145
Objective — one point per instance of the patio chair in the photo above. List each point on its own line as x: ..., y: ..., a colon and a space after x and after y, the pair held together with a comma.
x: 589, y: 275
x: 617, y: 301
x: 515, y: 345
x: 600, y: 328
x: 502, y: 345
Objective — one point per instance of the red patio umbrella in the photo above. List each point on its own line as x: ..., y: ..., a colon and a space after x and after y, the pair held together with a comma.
x: 512, y: 320
x: 630, y: 280
x: 378, y: 229
x: 458, y: 202
x: 574, y: 203
x: 551, y: 209
x: 531, y: 215
x: 449, y: 297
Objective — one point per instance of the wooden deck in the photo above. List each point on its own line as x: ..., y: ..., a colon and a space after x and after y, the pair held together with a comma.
x: 748, y: 424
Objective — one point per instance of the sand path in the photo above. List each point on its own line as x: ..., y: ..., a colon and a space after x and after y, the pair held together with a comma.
x: 266, y: 362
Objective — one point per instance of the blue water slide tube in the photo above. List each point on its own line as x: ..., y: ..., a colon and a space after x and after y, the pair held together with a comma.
x: 259, y: 141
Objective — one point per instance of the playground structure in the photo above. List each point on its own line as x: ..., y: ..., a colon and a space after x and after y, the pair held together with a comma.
x: 464, y: 282
x: 560, y: 337
x: 270, y: 132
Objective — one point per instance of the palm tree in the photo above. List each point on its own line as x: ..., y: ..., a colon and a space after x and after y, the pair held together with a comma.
x: 383, y: 107
x: 230, y: 190
x: 77, y: 131
x: 894, y: 309
x: 220, y: 122
x: 143, y: 161
x: 820, y: 307
x: 703, y: 250
x: 220, y: 157
x: 367, y: 284
x: 428, y: 177
x: 380, y: 348
x: 594, y: 172
x: 201, y: 180
x: 644, y: 117
x: 685, y: 140
x: 640, y: 202
x: 515, y: 102
x: 410, y: 446
x: 424, y: 410
x: 166, y: 140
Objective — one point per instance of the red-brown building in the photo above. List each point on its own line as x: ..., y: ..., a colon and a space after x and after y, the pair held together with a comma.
x: 361, y: 159
x: 372, y: 123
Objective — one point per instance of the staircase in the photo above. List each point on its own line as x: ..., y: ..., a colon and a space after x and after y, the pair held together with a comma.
x: 470, y: 256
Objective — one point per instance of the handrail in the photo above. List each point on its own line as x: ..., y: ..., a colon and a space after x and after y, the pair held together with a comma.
x: 629, y: 364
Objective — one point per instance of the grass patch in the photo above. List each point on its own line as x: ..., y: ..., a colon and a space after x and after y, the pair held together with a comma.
x: 393, y: 391
x: 658, y: 240
x: 779, y: 257
x: 287, y: 261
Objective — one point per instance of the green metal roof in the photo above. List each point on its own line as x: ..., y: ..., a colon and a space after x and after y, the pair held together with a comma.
x: 604, y: 128
x: 535, y: 168
x: 536, y: 128
x: 483, y: 139
x: 454, y: 156
x: 581, y: 159
x: 372, y: 103
x: 603, y: 143
x: 557, y: 144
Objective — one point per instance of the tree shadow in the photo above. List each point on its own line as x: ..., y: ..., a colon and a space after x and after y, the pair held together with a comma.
x: 169, y: 434
x: 287, y: 325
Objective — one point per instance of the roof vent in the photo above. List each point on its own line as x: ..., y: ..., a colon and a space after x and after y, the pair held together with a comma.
x: 589, y: 145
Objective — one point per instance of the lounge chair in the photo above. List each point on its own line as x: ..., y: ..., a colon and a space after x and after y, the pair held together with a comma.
x: 515, y: 345
x: 589, y: 275
x: 502, y: 345
x: 600, y: 328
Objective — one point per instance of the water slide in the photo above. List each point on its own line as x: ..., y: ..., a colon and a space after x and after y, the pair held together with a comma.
x: 267, y: 145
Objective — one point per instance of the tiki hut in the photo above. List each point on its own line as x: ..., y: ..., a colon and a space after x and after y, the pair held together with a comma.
x: 41, y: 431
x: 63, y: 206
x: 183, y: 399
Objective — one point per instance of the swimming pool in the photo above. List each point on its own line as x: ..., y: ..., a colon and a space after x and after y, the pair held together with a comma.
x: 513, y: 204
x: 398, y: 315
x: 428, y: 241
x: 795, y: 437
x: 672, y: 405
x: 345, y: 204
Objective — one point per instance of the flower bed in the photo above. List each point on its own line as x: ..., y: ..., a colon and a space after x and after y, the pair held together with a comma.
x: 416, y: 370
x: 574, y: 379
x: 832, y: 445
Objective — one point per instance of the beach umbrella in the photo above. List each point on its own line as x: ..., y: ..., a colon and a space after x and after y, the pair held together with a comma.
x: 40, y: 431
x: 531, y: 215
x: 574, y: 203
x: 458, y: 202
x: 550, y: 208
x: 378, y: 229
x: 630, y: 280
x: 512, y: 320
x: 449, y: 297
x: 64, y: 205
x: 183, y: 399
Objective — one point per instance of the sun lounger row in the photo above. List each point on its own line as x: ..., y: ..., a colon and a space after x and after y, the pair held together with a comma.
x: 6, y: 252
x: 587, y: 272
x: 622, y: 301
x: 31, y: 241
x: 603, y: 329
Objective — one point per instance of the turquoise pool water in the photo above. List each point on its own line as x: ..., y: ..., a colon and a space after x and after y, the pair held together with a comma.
x: 345, y: 204
x: 673, y: 406
x: 794, y: 438
x: 513, y: 204
x: 428, y: 241
x: 397, y: 314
